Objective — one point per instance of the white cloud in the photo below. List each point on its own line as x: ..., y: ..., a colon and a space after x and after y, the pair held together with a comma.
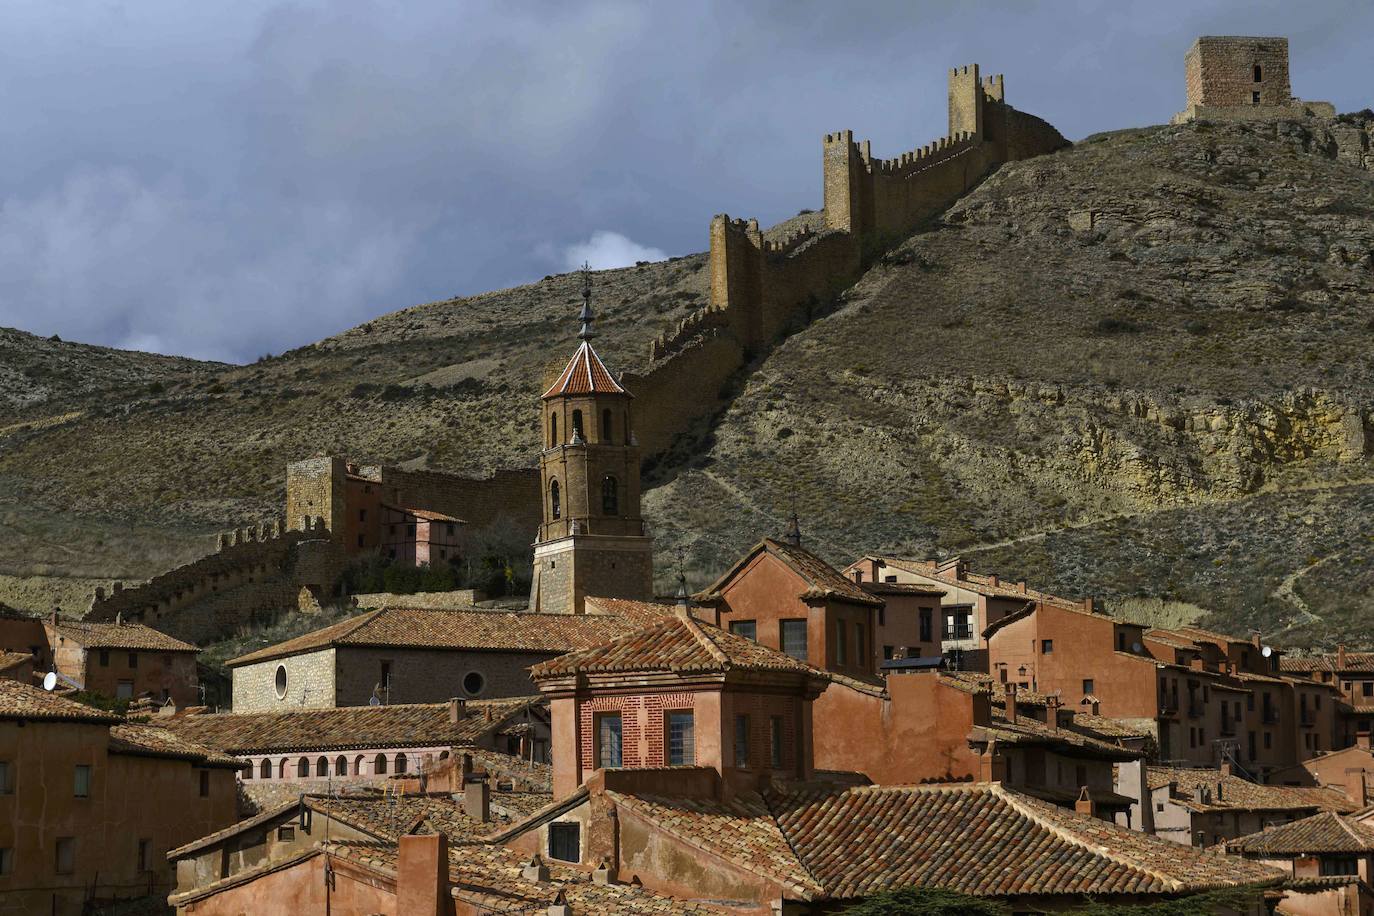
x: 606, y: 250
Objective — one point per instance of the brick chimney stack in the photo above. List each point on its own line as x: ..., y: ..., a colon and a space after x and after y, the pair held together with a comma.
x: 422, y: 875
x: 477, y: 800
x: 455, y: 710
x: 1340, y: 658
x: 1011, y: 702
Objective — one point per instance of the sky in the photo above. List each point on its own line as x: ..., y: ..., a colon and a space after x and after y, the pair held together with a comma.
x: 229, y: 180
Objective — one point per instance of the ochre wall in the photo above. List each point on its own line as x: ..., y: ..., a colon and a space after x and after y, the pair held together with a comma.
x: 302, y: 888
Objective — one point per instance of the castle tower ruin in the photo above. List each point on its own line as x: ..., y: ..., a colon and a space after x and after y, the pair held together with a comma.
x: 1240, y: 78
x: 592, y: 540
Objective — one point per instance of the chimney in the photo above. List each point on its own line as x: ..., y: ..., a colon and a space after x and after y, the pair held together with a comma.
x: 1021, y: 586
x: 993, y: 580
x: 602, y: 874
x: 1340, y: 658
x: 1226, y: 770
x: 456, y: 707
x: 992, y: 766
x: 1088, y: 605
x: 1362, y: 790
x: 535, y: 869
x: 1085, y: 803
x: 465, y: 765
x: 1255, y: 639
x: 560, y: 907
x: 1196, y: 663
x: 1010, y: 690
x: 477, y: 800
x: 422, y: 875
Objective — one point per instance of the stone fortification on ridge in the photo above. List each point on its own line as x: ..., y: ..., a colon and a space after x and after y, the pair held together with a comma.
x: 1236, y: 78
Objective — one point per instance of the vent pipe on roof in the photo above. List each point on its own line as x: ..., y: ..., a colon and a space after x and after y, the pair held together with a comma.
x: 793, y: 535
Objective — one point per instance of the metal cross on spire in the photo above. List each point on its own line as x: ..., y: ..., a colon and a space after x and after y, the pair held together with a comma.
x: 587, y: 317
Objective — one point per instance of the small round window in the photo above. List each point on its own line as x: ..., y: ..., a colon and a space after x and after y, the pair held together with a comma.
x: 473, y: 683
x: 281, y: 682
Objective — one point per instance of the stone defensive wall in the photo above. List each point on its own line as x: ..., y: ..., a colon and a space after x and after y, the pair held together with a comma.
x: 511, y: 493
x: 255, y: 573
x: 763, y: 288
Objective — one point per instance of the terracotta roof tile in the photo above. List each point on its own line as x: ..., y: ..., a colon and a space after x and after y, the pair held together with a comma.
x: 349, y: 727
x: 980, y: 584
x: 142, y: 740
x: 97, y: 635
x: 584, y: 374
x: 822, y: 579
x: 392, y: 817
x: 426, y: 628
x: 9, y: 660
x: 679, y: 644
x: 1239, y: 794
x: 26, y: 702
x: 1326, y: 832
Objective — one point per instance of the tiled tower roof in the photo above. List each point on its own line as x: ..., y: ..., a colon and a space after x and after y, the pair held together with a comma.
x: 585, y: 374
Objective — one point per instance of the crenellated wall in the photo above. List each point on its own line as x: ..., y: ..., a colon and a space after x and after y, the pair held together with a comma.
x: 762, y: 287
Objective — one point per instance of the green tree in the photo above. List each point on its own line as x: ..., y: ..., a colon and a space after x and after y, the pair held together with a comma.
x: 915, y: 901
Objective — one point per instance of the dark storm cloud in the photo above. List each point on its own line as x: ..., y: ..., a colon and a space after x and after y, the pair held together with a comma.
x: 224, y: 182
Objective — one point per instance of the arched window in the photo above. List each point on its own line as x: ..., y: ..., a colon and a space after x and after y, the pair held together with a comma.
x: 400, y: 763
x: 248, y: 773
x: 322, y: 767
x: 265, y: 769
x: 358, y: 765
x: 341, y: 766
x: 281, y: 769
x: 553, y: 430
x: 302, y: 768
x: 606, y: 425
x: 379, y: 765
x: 577, y: 426
x: 555, y: 507
x: 610, y: 495
x: 1258, y: 73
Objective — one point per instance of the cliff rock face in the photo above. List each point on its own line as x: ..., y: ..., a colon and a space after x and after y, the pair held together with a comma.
x: 1138, y: 368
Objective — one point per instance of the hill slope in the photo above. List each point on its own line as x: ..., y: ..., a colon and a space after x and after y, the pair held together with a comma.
x: 1137, y: 367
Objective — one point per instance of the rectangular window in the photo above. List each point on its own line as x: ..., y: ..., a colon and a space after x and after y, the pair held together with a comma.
x: 362, y: 540
x: 386, y: 675
x: 887, y: 652
x: 144, y: 846
x: 1254, y: 98
x: 682, y: 744
x: 741, y: 741
x: 133, y: 659
x: 362, y: 515
x: 1339, y: 866
x: 124, y: 690
x: 1120, y: 641
x: 746, y: 628
x: 793, y: 638
x: 565, y: 842
x: 882, y: 616
x: 66, y: 855
x: 608, y: 740
x: 81, y: 786
x: 775, y: 741
x: 927, y: 624
x: 6, y: 860
x: 840, y: 654
x: 204, y: 783
x: 1046, y: 646
x: 1087, y: 685
x: 6, y: 777
x: 286, y: 834
x: 860, y: 658
x: 1367, y: 688
x: 1268, y: 740
x: 104, y: 658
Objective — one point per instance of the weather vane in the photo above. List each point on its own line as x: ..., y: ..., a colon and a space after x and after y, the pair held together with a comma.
x: 586, y: 317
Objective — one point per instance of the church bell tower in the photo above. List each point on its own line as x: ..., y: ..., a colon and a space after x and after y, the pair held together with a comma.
x: 592, y: 540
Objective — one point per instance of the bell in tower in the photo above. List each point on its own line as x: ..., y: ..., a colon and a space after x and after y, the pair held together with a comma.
x: 592, y: 540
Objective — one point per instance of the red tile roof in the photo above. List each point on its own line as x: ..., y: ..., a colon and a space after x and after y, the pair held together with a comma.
x: 1321, y: 833
x: 585, y: 374
x: 111, y: 635
x: 10, y: 660
x: 140, y: 740
x: 19, y: 701
x: 976, y: 582
x: 680, y: 644
x: 822, y: 579
x: 978, y: 838
x: 1237, y: 794
x: 350, y: 727
x: 427, y: 628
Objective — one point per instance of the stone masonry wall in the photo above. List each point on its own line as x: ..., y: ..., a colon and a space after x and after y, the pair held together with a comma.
x: 1220, y: 71
x: 309, y: 683
x: 432, y: 675
x: 511, y: 494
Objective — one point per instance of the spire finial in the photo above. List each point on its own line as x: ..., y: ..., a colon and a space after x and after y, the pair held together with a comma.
x: 794, y: 530
x: 586, y: 317
x: 683, y: 597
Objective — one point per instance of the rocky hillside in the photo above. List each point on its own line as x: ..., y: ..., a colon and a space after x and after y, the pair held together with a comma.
x: 1138, y: 368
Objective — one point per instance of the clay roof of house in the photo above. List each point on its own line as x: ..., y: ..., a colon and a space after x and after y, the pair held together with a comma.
x: 1326, y: 832
x: 349, y: 727
x: 1170, y: 639
x: 1354, y: 661
x: 975, y: 582
x: 902, y: 588
x: 470, y: 630
x: 211, y: 839
x: 10, y: 660
x: 822, y: 579
x: 140, y: 740
x: 538, y: 776
x: 1065, y: 738
x: 428, y: 515
x: 978, y: 838
x: 488, y: 878
x: 681, y: 644
x: 640, y: 612
x: 1239, y: 794
x: 20, y: 701
x: 125, y: 635
x: 390, y: 817
x: 584, y: 374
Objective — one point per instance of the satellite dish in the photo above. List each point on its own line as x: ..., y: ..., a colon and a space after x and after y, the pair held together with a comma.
x: 50, y: 680
x: 1137, y: 648
x: 1266, y: 651
x: 373, y: 701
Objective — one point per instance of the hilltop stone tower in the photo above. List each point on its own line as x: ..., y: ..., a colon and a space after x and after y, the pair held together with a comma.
x: 1240, y: 78
x: 592, y: 540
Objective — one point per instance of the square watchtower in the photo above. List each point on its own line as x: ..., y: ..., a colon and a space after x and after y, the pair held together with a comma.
x: 1240, y: 78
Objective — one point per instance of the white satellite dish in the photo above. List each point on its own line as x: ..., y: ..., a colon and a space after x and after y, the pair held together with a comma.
x: 50, y: 680
x: 373, y: 701
x: 1266, y: 651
